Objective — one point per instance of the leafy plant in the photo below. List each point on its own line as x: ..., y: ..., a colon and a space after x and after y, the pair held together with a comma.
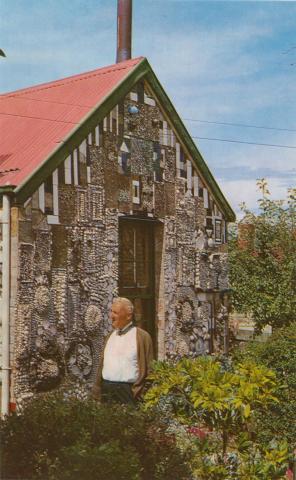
x: 262, y: 463
x: 60, y: 438
x: 279, y: 354
x: 263, y: 261
x: 219, y: 404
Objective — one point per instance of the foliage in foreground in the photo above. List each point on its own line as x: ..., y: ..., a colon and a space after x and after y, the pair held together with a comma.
x: 218, y: 402
x: 278, y: 353
x: 263, y: 262
x: 58, y: 438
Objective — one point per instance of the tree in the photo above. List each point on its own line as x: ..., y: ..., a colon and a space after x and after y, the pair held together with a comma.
x: 263, y: 261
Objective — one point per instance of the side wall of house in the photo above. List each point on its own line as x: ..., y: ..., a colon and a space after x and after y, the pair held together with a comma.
x: 132, y: 163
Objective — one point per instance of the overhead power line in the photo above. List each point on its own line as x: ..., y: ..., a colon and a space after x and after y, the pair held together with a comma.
x: 240, y: 125
x: 226, y: 140
x: 246, y: 143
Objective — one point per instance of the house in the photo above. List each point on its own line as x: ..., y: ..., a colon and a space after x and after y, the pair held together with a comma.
x: 104, y: 193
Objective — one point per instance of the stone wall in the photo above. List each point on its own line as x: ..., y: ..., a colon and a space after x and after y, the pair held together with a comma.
x: 133, y: 163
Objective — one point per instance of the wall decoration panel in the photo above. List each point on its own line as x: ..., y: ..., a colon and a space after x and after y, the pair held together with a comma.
x: 159, y: 200
x: 67, y: 204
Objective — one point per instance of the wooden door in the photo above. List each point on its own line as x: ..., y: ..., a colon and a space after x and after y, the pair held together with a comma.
x: 136, y: 271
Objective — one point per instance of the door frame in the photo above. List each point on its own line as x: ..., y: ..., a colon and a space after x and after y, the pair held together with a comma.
x: 152, y: 270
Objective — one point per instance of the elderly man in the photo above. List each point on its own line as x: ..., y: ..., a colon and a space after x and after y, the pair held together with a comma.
x: 126, y: 358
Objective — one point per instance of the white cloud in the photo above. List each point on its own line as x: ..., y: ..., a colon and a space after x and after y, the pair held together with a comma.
x: 238, y: 191
x: 255, y: 157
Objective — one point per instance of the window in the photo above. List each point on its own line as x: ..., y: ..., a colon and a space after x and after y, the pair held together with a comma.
x: 120, y: 119
x: 61, y: 174
x: 140, y: 89
x: 136, y: 192
x: 48, y: 196
x: 76, y: 167
x: 113, y: 120
x: 101, y: 133
x: 124, y: 162
x: 218, y: 231
x: 209, y: 223
x: 183, y: 169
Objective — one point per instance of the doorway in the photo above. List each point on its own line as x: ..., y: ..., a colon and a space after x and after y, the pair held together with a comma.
x: 137, y: 271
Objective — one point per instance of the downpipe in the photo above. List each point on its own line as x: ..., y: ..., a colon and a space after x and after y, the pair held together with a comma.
x: 5, y: 305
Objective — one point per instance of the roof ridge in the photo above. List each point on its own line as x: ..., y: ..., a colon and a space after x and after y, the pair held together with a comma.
x: 74, y: 78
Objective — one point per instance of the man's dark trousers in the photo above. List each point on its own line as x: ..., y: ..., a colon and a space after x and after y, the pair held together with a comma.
x: 117, y: 392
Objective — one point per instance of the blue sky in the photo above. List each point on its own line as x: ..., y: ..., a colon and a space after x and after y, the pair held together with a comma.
x: 219, y: 61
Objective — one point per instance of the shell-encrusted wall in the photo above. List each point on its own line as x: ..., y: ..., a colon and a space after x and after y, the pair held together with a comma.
x: 131, y: 164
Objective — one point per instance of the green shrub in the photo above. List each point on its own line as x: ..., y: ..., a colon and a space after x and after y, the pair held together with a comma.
x: 58, y: 438
x: 218, y: 401
x: 279, y: 354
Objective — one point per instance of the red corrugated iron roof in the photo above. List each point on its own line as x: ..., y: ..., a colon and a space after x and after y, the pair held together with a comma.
x: 33, y: 121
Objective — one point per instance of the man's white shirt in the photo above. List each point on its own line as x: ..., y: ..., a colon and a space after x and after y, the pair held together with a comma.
x: 120, y: 357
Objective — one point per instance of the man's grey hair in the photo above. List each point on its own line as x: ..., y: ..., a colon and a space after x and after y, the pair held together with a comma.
x: 126, y: 302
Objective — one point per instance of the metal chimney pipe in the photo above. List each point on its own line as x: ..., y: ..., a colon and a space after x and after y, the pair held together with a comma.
x: 124, y: 30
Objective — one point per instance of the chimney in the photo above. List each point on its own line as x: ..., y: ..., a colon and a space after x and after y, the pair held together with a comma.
x: 124, y: 30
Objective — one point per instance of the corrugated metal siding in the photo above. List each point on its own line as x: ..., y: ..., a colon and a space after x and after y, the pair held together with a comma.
x: 34, y: 120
